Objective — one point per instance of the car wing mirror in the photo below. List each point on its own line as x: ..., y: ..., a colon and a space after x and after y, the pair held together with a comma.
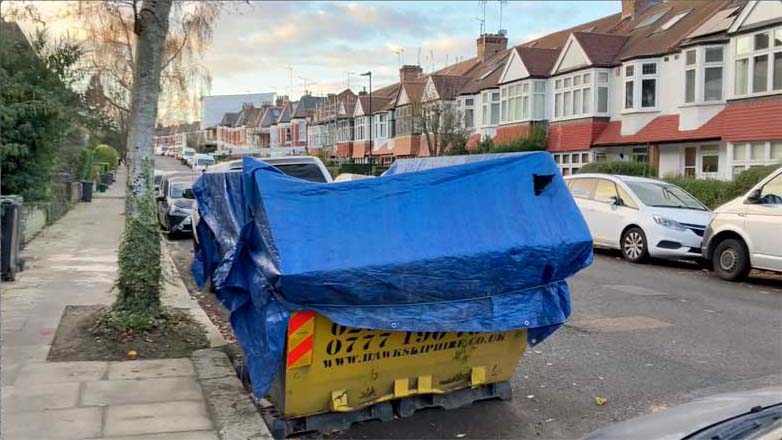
x: 188, y: 193
x: 616, y: 201
x: 754, y: 196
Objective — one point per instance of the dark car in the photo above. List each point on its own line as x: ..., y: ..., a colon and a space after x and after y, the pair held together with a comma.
x: 173, y: 209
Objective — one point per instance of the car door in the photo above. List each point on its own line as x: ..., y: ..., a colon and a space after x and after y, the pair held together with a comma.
x: 607, y: 213
x: 582, y: 189
x: 162, y: 204
x: 763, y: 224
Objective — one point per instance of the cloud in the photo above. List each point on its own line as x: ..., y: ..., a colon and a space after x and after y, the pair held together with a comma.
x: 255, y: 43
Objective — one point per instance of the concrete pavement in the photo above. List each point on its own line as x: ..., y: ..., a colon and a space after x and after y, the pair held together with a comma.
x: 74, y: 262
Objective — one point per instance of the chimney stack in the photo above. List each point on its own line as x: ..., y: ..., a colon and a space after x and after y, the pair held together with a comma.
x: 409, y: 72
x: 631, y: 8
x: 490, y: 44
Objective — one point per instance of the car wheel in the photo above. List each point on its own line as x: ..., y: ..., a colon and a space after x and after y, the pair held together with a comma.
x: 634, y: 248
x: 731, y: 260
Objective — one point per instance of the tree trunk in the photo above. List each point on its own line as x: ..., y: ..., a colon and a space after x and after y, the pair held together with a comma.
x: 151, y: 29
x: 140, y: 274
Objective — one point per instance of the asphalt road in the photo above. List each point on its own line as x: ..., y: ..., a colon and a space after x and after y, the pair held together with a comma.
x: 644, y: 337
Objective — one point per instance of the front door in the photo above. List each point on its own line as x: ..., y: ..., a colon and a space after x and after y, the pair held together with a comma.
x: 763, y: 223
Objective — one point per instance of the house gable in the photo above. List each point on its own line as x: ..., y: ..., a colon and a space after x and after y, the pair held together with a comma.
x: 430, y: 91
x: 359, y: 110
x: 514, y: 69
x: 572, y: 56
x: 403, y: 99
x: 756, y: 12
x: 341, y: 111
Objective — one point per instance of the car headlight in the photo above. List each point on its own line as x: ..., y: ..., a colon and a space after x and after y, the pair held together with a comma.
x: 668, y: 223
x: 178, y: 210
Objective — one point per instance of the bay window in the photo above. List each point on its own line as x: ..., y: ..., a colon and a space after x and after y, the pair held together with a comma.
x: 573, y: 95
x: 753, y: 154
x: 758, y: 63
x: 381, y: 124
x: 360, y: 130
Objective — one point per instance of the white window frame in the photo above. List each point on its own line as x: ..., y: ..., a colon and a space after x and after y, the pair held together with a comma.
x: 302, y: 131
x: 637, y: 77
x: 699, y: 67
x: 571, y: 161
x: 360, y: 132
x: 489, y: 99
x: 517, y: 101
x: 567, y: 87
x: 737, y: 165
x: 467, y: 107
x: 770, y: 51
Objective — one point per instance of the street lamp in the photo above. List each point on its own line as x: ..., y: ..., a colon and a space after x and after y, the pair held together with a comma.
x: 371, y: 117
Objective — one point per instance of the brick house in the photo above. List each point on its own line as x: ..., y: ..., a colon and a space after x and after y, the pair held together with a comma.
x: 364, y: 115
x: 345, y: 107
x: 303, y: 112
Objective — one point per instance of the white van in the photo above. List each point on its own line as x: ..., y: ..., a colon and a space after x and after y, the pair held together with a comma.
x: 746, y: 232
x: 202, y: 161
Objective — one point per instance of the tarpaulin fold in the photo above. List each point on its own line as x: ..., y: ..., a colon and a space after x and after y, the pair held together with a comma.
x: 436, y: 244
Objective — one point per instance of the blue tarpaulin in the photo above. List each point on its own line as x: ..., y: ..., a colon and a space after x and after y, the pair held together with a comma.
x: 476, y: 243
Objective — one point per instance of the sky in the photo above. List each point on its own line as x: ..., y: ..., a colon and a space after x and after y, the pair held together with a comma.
x: 271, y: 46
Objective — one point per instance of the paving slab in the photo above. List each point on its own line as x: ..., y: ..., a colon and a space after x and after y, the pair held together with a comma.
x: 154, y: 418
x: 40, y: 397
x: 122, y: 392
x: 150, y: 369
x: 58, y: 372
x: 72, y: 423
x: 211, y: 364
x: 190, y: 435
x: 25, y: 353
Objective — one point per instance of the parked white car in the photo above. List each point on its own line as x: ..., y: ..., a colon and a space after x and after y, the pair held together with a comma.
x: 187, y: 156
x: 641, y: 217
x: 746, y: 232
x: 202, y: 161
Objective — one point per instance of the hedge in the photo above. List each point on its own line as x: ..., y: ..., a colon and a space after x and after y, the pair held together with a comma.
x: 622, y: 167
x: 714, y: 193
x: 104, y: 153
x: 710, y: 192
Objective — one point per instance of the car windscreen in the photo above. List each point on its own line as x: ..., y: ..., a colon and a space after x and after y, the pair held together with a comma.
x: 205, y: 161
x: 306, y: 171
x: 663, y: 195
x: 176, y: 189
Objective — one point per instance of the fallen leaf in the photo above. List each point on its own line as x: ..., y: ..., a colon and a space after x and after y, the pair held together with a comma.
x: 530, y: 396
x: 657, y: 407
x: 461, y: 435
x: 600, y: 401
x: 132, y: 355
